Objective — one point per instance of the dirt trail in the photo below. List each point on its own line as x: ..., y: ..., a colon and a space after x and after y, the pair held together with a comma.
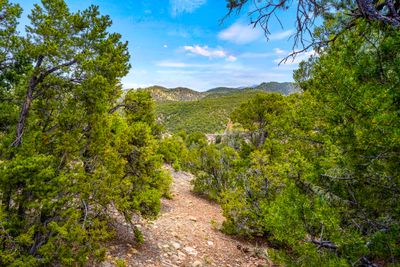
x: 185, y: 234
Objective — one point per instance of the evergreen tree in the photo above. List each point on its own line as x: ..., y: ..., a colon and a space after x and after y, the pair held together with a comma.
x: 67, y: 162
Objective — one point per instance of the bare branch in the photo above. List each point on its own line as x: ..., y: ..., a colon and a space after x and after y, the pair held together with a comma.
x: 308, y: 11
x: 111, y: 111
x: 33, y: 83
x: 325, y: 244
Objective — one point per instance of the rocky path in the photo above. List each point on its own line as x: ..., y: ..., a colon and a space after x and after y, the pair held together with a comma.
x: 186, y: 234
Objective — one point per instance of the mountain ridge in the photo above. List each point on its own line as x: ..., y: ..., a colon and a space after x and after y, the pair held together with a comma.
x: 164, y: 94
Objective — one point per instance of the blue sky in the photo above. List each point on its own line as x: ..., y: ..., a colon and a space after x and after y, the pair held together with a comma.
x: 183, y: 43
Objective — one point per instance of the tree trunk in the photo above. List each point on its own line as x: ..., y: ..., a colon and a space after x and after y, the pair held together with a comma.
x: 24, y: 112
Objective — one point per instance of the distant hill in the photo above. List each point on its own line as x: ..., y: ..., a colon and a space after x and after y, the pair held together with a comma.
x: 207, y: 115
x: 207, y: 112
x: 283, y: 88
x: 222, y: 90
x: 161, y: 94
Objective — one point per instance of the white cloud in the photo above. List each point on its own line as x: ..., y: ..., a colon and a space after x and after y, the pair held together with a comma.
x: 206, y: 51
x: 185, y: 6
x: 240, y: 33
x: 280, y: 35
x: 231, y: 58
x: 165, y: 46
x: 279, y: 51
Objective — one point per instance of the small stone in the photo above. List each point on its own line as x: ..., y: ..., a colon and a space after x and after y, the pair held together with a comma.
x: 192, y: 219
x: 181, y: 255
x: 175, y: 245
x: 190, y: 251
x: 197, y: 264
x: 210, y: 243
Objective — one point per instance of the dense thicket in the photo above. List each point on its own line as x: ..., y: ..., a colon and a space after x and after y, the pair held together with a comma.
x: 317, y: 173
x: 72, y: 148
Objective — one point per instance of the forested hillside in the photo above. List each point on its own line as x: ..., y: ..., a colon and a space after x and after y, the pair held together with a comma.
x: 162, y: 94
x: 207, y: 115
x: 207, y: 112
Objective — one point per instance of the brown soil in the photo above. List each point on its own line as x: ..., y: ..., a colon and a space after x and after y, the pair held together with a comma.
x: 186, y: 234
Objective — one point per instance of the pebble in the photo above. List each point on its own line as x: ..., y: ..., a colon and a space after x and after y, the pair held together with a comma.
x: 197, y: 264
x: 190, y: 251
x: 181, y: 255
x: 175, y: 245
x: 192, y: 219
x: 210, y: 243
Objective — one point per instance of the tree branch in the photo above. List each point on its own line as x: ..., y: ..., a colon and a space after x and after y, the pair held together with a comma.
x: 111, y: 111
x: 324, y: 244
x: 33, y: 83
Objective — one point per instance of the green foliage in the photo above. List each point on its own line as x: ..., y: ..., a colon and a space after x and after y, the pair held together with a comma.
x: 67, y: 159
x: 215, y: 171
x: 322, y: 185
x: 172, y: 149
x: 207, y: 115
x: 258, y: 114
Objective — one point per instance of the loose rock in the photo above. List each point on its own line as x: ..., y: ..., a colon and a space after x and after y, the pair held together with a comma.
x: 197, y: 264
x: 175, y: 245
x: 190, y: 251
